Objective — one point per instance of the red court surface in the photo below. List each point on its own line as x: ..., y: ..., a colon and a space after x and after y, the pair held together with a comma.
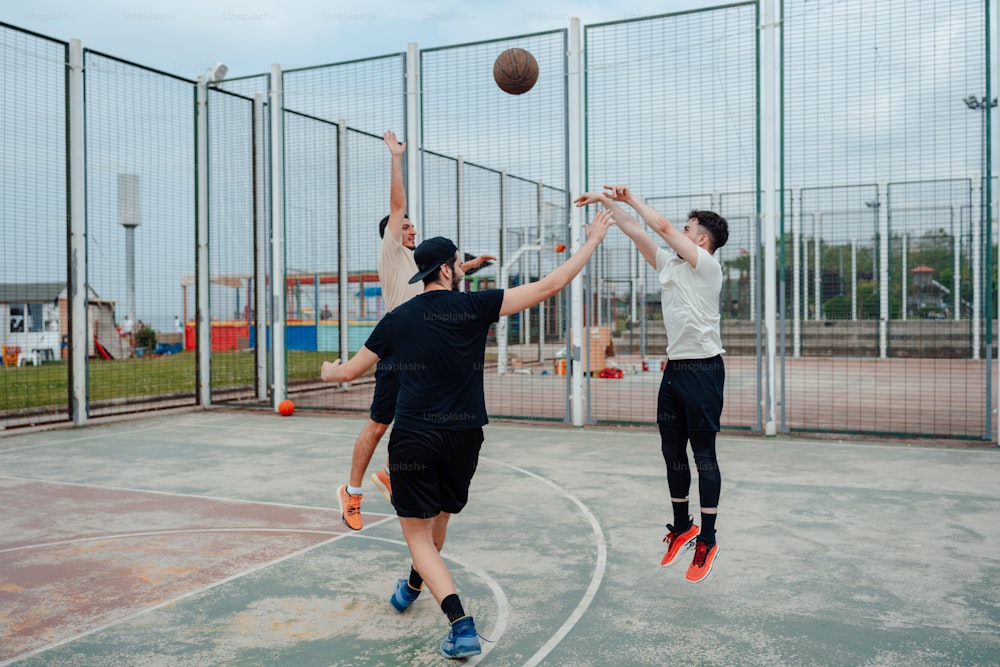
x: 85, y: 557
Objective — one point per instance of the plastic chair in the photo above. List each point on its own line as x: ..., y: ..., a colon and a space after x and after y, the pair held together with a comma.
x: 29, y: 357
x: 11, y: 354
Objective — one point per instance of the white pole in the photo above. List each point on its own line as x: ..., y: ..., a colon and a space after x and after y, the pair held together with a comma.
x: 541, y: 240
x: 977, y: 263
x: 633, y: 260
x: 279, y: 389
x: 883, y: 271
x: 770, y: 154
x: 797, y: 275
x: 817, y: 269
x: 343, y: 240
x: 260, y: 257
x: 504, y: 284
x: 576, y: 139
x: 903, y: 280
x: 854, y: 280
x: 503, y: 281
x: 805, y: 278
x: 76, y: 292
x: 526, y: 313
x: 956, y: 289
x: 459, y: 183
x: 202, y: 310
x: 641, y: 322
x: 414, y: 189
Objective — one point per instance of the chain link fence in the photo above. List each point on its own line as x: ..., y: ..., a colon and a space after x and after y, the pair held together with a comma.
x: 885, y: 266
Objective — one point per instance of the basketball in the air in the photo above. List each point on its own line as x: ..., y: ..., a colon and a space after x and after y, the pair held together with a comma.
x: 515, y: 71
x: 286, y: 408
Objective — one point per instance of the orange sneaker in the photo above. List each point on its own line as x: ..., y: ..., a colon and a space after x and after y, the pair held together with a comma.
x: 701, y: 566
x: 381, y: 479
x: 350, y: 508
x: 678, y: 541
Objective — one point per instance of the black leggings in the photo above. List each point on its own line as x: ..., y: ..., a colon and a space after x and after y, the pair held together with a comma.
x: 673, y: 443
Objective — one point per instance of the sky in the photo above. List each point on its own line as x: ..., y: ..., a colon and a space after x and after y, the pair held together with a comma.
x: 186, y: 37
x: 893, y: 92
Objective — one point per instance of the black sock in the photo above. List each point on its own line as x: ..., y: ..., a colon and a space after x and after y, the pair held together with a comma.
x: 452, y: 608
x: 415, y: 579
x: 707, y: 534
x: 682, y: 520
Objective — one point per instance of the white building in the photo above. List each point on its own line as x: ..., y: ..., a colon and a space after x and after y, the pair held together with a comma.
x: 35, y: 318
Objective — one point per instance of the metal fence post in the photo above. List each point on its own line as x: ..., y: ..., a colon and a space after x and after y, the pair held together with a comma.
x: 279, y: 388
x: 77, y: 285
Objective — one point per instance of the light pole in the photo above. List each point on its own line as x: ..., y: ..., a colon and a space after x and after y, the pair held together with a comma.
x: 981, y: 104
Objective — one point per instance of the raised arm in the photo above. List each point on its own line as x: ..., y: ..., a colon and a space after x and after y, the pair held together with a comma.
x: 525, y: 296
x: 477, y: 262
x: 338, y: 371
x: 397, y: 193
x: 644, y: 243
x: 674, y: 237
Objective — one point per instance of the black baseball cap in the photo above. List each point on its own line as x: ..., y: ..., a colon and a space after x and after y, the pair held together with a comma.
x: 431, y: 254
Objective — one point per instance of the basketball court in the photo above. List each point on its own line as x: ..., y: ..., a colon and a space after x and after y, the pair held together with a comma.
x: 215, y: 538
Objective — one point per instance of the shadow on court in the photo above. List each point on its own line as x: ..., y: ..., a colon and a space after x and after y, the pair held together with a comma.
x: 214, y: 538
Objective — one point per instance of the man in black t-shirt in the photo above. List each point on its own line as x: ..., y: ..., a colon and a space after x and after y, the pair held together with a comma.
x: 438, y: 339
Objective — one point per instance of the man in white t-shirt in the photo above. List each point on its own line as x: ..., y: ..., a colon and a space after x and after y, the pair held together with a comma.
x: 395, y: 267
x: 689, y: 405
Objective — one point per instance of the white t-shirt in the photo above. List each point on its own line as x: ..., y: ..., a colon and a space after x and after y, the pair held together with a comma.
x: 689, y: 297
x: 395, y: 267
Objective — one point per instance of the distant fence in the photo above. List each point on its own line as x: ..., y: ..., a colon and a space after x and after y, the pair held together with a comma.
x: 211, y: 217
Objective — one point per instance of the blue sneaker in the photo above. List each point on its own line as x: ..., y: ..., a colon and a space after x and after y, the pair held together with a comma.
x: 462, y: 640
x: 403, y: 596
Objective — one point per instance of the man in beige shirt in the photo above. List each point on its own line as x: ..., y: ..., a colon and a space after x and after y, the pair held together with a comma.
x: 395, y: 266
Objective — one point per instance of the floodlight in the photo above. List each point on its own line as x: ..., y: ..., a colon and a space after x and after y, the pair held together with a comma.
x: 216, y: 73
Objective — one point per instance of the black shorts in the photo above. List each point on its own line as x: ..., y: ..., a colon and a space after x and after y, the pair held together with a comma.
x: 383, y: 409
x: 690, y: 395
x: 431, y: 470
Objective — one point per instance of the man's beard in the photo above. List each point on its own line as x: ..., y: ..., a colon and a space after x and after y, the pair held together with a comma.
x: 455, y: 281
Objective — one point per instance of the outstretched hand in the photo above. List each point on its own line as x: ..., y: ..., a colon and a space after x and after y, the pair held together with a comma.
x: 618, y: 193
x: 330, y: 372
x: 390, y: 140
x: 477, y: 262
x: 590, y: 198
x: 598, y: 227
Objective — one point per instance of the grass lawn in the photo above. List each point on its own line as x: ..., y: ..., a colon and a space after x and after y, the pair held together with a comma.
x: 169, y: 375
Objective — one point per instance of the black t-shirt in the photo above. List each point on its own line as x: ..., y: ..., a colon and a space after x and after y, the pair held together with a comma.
x: 438, y: 341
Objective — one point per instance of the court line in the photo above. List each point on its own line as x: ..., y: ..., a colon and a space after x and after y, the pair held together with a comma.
x: 503, y: 605
x: 70, y: 441
x: 595, y: 580
x: 178, y: 531
x: 185, y: 596
x: 183, y: 495
x: 323, y: 428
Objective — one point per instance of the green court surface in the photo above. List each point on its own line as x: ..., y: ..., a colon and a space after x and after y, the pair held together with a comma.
x: 214, y: 538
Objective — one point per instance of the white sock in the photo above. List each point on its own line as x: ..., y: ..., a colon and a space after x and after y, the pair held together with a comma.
x: 354, y: 490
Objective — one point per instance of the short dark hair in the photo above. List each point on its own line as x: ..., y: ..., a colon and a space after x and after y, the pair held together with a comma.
x: 385, y: 221
x: 714, y: 224
x: 436, y: 273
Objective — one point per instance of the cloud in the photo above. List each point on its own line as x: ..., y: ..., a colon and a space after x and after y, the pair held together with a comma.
x: 184, y: 37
